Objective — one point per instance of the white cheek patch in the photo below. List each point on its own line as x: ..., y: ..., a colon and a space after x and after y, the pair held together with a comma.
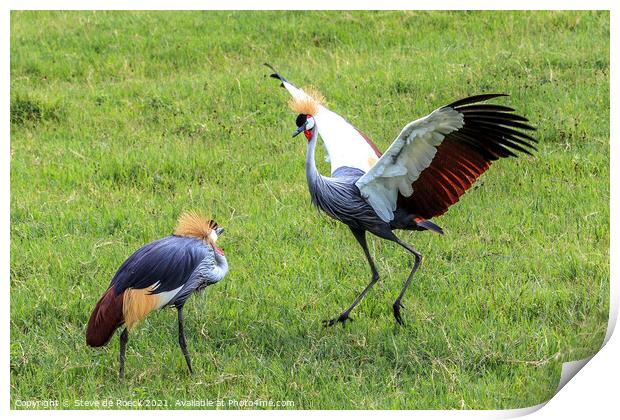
x: 213, y: 236
x: 309, y: 123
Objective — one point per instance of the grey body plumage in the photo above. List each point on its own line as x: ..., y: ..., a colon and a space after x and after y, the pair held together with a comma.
x: 211, y: 270
x: 338, y: 196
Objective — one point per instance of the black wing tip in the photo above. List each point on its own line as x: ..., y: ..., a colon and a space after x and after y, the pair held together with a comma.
x: 480, y: 107
x: 496, y: 124
x: 275, y: 74
x: 271, y: 67
x: 476, y: 98
x: 469, y: 104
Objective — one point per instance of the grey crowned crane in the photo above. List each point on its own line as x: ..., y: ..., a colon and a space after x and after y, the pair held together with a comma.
x: 162, y: 273
x: 432, y: 162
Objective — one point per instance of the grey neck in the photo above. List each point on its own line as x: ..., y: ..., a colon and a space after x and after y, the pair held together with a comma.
x: 221, y: 261
x: 219, y: 270
x: 312, y: 173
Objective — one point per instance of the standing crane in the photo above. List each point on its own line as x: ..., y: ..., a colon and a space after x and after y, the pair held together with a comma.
x: 432, y: 162
x: 162, y: 273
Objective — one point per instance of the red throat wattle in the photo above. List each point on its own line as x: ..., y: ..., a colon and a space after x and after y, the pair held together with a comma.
x: 308, y: 134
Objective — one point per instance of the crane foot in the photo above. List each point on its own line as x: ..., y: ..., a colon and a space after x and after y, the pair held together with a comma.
x: 343, y: 318
x: 397, y: 305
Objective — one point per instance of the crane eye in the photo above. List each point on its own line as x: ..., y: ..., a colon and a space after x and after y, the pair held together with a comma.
x: 310, y: 123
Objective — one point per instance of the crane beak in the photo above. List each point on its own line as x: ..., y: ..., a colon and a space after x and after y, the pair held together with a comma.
x: 299, y: 130
x: 219, y: 231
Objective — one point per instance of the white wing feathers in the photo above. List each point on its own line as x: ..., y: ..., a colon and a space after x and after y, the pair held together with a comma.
x: 344, y: 144
x: 411, y: 153
x: 293, y: 90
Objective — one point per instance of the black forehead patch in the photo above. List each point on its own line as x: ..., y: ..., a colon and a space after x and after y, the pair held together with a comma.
x: 301, y: 120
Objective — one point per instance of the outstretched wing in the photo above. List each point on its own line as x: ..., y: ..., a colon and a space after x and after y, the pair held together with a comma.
x: 345, y: 144
x: 435, y: 159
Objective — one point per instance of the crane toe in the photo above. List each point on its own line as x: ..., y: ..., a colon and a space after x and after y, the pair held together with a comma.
x: 397, y: 305
x: 343, y: 318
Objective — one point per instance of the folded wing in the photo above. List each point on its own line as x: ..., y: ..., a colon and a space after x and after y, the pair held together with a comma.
x: 435, y: 159
x: 164, y: 266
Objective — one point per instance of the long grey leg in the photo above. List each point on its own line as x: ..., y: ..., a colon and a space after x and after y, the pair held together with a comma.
x: 360, y: 235
x: 418, y: 258
x: 123, y: 340
x: 182, y: 342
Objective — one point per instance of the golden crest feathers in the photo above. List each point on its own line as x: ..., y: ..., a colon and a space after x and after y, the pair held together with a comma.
x: 309, y: 104
x: 194, y: 225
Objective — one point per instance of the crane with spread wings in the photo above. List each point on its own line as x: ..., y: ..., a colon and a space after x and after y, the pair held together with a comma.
x: 429, y: 166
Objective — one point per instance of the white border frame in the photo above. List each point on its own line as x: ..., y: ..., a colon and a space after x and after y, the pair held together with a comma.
x: 592, y: 392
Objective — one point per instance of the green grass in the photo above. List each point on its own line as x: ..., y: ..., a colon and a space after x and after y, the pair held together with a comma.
x: 120, y: 121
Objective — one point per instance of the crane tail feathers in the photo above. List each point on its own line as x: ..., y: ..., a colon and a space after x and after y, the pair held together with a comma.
x: 105, y: 319
x: 428, y: 225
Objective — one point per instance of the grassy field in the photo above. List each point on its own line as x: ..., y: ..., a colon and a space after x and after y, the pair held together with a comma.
x: 120, y: 121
